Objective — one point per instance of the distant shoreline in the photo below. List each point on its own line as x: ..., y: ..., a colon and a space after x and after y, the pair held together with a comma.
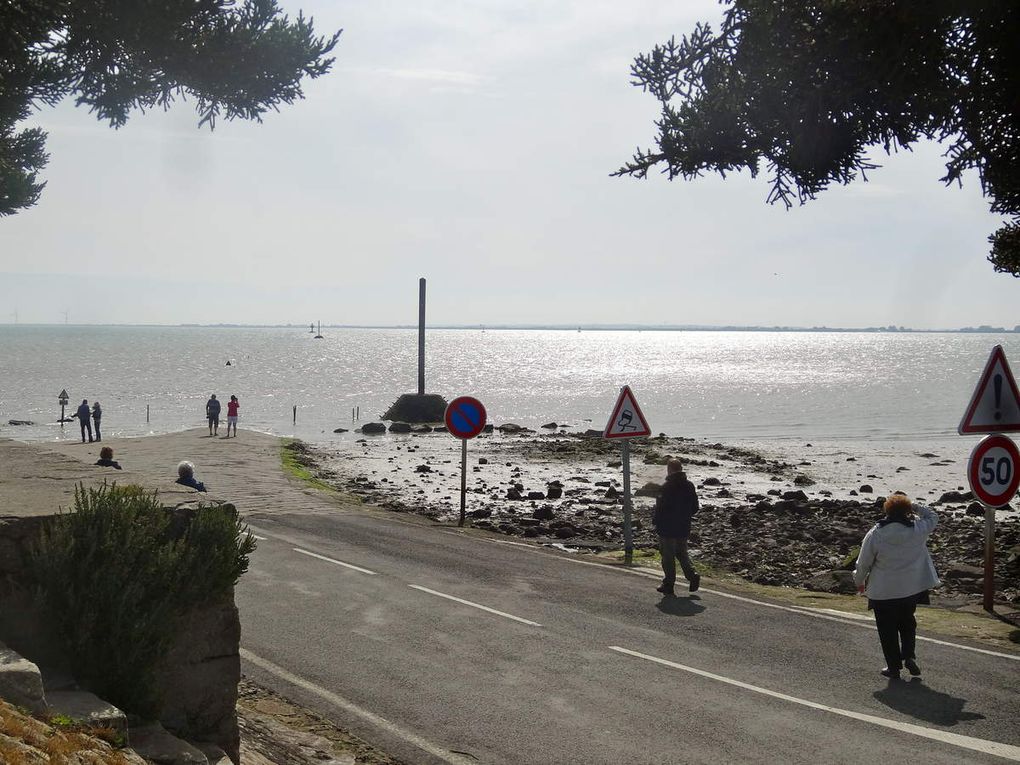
x: 889, y: 330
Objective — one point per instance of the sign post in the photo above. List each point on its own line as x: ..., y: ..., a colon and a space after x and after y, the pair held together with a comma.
x: 994, y: 466
x: 62, y: 398
x: 465, y: 418
x: 626, y: 422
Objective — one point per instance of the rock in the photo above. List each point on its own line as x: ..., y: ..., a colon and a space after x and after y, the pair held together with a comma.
x: 536, y: 495
x: 340, y: 430
x: 87, y: 708
x: 976, y: 509
x: 487, y: 429
x: 566, y: 531
x: 400, y: 427
x: 509, y: 427
x: 803, y: 480
x: 551, y: 425
x: 614, y: 464
x: 20, y: 422
x: 411, y: 407
x: 482, y: 461
x: 774, y: 492
x: 423, y: 469
x: 962, y: 571
x: 154, y: 743
x: 20, y: 681
x: 955, y: 496
x: 554, y: 492
x: 866, y: 489
x: 592, y: 433
x: 373, y: 428
x: 421, y: 428
x: 796, y: 496
x: 650, y: 489
x: 543, y: 513
x: 711, y: 482
x: 612, y: 493
x: 832, y: 581
x: 483, y: 512
x: 514, y: 493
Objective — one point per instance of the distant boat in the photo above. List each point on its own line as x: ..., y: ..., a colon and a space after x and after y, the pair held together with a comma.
x: 318, y: 335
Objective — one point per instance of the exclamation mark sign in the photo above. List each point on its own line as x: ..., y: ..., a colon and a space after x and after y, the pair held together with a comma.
x: 997, y: 384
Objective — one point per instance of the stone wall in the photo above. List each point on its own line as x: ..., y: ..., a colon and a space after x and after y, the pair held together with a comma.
x: 198, y: 679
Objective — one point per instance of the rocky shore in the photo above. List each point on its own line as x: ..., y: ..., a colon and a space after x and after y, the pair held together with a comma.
x: 793, y: 521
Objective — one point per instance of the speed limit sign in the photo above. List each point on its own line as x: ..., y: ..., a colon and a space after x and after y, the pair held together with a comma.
x: 994, y: 470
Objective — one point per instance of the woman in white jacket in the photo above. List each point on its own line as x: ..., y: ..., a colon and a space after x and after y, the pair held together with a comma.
x: 894, y: 569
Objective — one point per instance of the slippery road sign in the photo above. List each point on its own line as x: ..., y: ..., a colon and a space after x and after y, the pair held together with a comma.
x: 627, y: 421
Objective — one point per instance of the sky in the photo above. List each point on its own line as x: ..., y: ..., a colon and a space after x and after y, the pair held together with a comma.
x: 471, y: 143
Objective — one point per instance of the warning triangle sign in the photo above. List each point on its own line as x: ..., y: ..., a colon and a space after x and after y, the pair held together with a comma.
x: 995, y: 405
x: 627, y: 421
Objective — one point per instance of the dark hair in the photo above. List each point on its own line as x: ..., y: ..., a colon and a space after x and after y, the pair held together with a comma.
x: 106, y: 453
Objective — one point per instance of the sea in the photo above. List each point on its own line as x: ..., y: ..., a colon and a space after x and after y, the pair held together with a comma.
x: 745, y: 386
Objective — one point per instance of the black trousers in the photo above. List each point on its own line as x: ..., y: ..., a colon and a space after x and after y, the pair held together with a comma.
x: 86, y: 426
x: 95, y: 422
x: 897, y: 629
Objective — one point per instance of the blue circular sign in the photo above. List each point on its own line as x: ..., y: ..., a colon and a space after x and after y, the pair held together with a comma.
x: 465, y: 417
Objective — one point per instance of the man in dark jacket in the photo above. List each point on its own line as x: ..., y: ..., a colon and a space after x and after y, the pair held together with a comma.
x: 674, y: 508
x: 84, y: 415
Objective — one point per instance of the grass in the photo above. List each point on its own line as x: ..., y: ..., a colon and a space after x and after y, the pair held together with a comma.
x: 999, y: 634
x: 296, y: 465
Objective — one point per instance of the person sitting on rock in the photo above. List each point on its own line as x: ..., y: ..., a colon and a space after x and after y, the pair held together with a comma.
x: 106, y: 458
x: 186, y: 476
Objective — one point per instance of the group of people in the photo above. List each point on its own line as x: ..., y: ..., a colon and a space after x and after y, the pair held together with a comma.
x: 894, y: 568
x: 89, y: 420
x: 212, y: 413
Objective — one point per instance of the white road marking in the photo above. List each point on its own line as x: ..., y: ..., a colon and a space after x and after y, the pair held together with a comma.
x: 348, y: 706
x: 995, y: 748
x: 475, y: 605
x: 828, y: 614
x: 334, y: 560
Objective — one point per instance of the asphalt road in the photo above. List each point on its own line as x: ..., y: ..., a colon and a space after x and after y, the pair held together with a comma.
x: 441, y: 646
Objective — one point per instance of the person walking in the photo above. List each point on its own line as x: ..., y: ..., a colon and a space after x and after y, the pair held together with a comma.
x: 232, y: 406
x: 97, y: 415
x: 676, y: 504
x: 84, y: 415
x: 212, y: 413
x: 895, y: 570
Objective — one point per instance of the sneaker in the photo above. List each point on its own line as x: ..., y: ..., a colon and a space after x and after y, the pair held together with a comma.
x: 665, y: 589
x: 892, y: 674
x: 695, y: 582
x: 912, y: 667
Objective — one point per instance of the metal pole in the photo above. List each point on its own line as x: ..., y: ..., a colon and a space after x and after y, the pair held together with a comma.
x: 359, y: 412
x: 628, y: 539
x: 146, y: 412
x: 463, y: 479
x: 989, y: 600
x: 421, y: 336
x: 295, y: 414
x: 61, y: 415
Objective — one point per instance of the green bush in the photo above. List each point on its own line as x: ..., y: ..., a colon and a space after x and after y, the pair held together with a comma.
x: 118, y: 573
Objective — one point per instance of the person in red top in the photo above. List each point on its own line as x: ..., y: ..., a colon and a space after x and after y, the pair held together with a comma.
x: 232, y: 406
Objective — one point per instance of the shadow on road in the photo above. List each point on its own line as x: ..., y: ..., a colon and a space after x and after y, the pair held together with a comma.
x: 680, y: 606
x: 916, y: 699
